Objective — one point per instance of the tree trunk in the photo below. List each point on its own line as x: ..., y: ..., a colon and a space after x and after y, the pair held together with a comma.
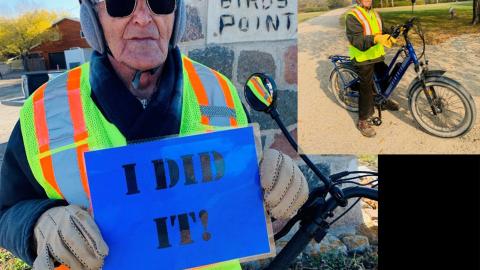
x: 25, y: 62
x: 476, y: 12
x: 392, y: 4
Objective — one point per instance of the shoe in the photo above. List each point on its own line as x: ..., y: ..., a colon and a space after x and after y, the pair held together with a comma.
x: 390, y: 105
x: 365, y: 128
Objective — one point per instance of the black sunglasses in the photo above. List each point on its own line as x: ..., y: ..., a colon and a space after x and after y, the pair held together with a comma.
x: 125, y: 8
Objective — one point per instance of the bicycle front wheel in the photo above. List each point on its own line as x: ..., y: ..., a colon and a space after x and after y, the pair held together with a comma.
x: 454, y: 105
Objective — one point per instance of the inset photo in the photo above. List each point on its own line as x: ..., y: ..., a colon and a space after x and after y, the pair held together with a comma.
x: 389, y: 77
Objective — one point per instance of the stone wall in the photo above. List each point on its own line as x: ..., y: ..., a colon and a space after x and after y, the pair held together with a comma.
x: 269, y: 51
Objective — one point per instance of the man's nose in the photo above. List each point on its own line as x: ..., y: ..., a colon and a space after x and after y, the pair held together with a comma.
x: 142, y: 14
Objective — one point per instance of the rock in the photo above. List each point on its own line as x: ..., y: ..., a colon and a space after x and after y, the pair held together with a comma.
x: 367, y: 203
x: 281, y: 144
x: 255, y: 61
x: 343, y: 231
x: 329, y: 244
x: 371, y: 213
x: 371, y: 232
x: 356, y: 243
x: 286, y: 107
x: 216, y: 57
x: 193, y: 26
x: 312, y: 179
x: 290, y: 60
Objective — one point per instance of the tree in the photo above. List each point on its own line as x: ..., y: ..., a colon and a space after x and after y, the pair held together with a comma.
x: 476, y: 12
x: 18, y: 35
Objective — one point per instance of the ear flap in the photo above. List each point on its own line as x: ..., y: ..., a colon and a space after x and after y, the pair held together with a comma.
x: 91, y: 27
x: 179, y: 26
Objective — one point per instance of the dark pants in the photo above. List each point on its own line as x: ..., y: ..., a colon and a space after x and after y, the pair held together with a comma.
x: 366, y: 90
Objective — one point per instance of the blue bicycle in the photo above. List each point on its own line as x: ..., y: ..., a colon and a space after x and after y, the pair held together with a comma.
x: 440, y: 105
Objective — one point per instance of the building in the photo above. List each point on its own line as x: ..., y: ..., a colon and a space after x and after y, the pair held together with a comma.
x: 52, y: 54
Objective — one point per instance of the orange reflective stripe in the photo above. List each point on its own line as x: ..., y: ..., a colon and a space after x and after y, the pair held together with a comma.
x: 47, y: 169
x: 78, y: 122
x: 40, y: 118
x: 197, y: 87
x: 260, y: 90
x: 75, y: 102
x: 227, y: 94
x: 81, y: 165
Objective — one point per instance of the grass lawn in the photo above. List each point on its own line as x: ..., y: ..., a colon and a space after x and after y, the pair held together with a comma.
x: 435, y: 20
x: 308, y: 15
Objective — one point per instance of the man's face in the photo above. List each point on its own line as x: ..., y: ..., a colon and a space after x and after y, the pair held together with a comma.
x: 139, y: 40
x: 366, y: 3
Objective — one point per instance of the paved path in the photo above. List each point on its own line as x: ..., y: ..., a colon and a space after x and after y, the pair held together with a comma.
x: 326, y: 128
x: 8, y: 114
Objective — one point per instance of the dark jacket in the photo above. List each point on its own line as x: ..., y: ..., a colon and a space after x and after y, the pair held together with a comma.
x: 23, y: 200
x: 354, y: 31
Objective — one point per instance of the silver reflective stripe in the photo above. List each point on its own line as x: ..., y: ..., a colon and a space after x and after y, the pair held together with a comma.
x: 61, y: 133
x: 57, y: 110
x: 214, y: 94
x: 217, y: 111
x: 67, y: 174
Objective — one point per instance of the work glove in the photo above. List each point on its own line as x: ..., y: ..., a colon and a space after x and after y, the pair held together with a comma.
x: 68, y: 235
x: 385, y: 40
x: 285, y: 187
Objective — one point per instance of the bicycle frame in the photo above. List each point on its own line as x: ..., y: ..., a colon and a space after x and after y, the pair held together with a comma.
x: 382, y: 94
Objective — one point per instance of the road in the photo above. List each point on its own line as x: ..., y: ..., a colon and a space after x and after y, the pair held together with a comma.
x: 326, y: 128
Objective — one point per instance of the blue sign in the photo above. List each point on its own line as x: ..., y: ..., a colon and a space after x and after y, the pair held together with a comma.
x: 179, y: 202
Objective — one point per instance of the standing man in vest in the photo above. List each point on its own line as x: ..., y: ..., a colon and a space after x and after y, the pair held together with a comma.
x: 365, y: 32
x: 137, y: 86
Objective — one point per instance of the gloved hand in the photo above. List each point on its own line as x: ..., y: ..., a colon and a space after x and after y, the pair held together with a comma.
x: 385, y: 40
x: 285, y: 186
x: 68, y: 235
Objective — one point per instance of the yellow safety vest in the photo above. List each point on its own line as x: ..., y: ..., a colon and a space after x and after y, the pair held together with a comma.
x: 60, y: 122
x: 372, y: 24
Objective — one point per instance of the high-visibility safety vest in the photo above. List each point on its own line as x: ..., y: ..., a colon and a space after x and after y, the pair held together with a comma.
x: 260, y: 91
x: 60, y: 122
x: 372, y: 24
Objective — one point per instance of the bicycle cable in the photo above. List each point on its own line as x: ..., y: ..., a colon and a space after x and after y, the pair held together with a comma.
x: 355, y: 203
x: 355, y: 177
x: 356, y: 183
x: 345, y: 212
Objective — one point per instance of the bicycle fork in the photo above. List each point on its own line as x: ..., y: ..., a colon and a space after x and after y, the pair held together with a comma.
x: 429, y: 93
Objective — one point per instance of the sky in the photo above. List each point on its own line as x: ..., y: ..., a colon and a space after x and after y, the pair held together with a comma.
x: 12, y: 8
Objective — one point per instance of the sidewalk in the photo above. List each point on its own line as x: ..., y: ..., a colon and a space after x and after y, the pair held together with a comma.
x: 8, y: 114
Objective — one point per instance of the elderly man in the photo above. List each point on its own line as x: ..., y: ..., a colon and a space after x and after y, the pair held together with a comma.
x: 137, y: 86
x: 365, y: 32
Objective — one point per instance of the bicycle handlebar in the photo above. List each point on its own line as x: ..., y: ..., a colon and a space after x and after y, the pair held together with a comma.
x: 309, y: 231
x: 406, y: 27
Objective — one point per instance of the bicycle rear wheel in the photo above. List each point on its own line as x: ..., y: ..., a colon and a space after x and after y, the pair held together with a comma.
x: 344, y: 85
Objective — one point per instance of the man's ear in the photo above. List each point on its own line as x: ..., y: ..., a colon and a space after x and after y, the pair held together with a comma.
x: 91, y: 27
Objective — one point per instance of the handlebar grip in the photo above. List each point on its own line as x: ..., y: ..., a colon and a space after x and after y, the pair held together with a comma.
x: 293, y: 248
